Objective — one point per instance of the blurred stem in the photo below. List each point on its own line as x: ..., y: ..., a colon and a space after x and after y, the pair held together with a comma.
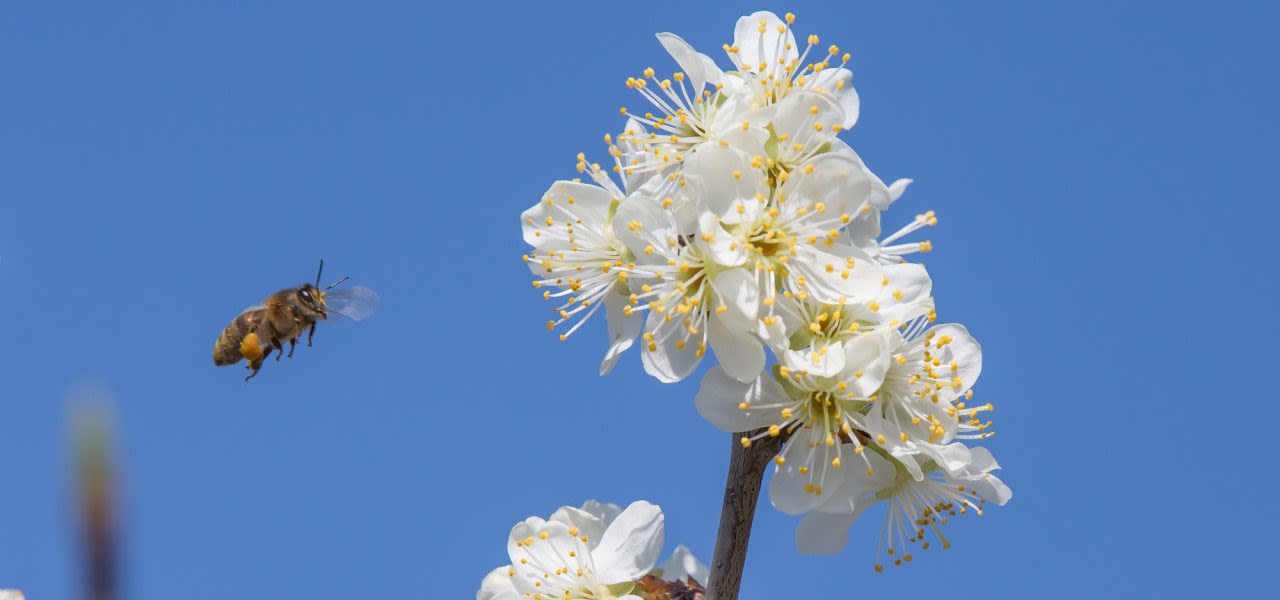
x: 741, y: 491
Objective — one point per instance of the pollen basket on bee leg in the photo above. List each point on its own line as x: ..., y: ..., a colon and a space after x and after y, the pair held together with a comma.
x: 251, y: 347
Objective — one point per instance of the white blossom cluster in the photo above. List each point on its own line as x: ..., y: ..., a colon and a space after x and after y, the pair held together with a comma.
x: 732, y: 220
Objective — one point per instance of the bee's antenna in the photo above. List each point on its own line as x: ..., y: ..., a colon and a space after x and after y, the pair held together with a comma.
x: 319, y: 272
x: 335, y: 284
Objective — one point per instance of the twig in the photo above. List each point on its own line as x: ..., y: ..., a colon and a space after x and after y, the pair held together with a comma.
x: 741, y: 491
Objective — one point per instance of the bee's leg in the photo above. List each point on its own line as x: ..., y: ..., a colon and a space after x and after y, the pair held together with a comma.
x: 311, y: 334
x: 254, y: 365
x: 279, y: 349
x: 292, y: 343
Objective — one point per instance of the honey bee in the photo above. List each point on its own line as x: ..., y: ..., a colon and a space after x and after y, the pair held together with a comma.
x: 283, y: 317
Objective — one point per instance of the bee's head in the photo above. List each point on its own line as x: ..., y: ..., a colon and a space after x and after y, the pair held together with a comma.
x: 312, y: 299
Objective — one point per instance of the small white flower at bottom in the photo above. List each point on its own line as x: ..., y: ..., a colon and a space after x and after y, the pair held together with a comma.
x: 578, y: 555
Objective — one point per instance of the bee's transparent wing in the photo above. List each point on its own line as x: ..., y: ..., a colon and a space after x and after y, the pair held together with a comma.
x: 355, y: 302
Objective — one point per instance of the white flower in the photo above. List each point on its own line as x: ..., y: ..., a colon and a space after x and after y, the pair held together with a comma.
x: 918, y: 508
x: 577, y: 251
x: 682, y: 566
x: 769, y: 64
x: 691, y: 301
x: 903, y: 394
x: 818, y: 412
x: 577, y: 555
x: 922, y: 404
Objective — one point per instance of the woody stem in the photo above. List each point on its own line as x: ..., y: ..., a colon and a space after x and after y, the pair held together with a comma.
x: 741, y: 491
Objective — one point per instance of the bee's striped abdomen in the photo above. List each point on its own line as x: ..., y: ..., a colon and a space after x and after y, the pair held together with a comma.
x: 227, y: 350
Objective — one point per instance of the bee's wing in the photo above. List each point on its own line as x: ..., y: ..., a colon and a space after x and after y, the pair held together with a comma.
x: 355, y: 302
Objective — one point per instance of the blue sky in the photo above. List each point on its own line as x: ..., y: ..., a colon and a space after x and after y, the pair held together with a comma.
x: 1103, y: 173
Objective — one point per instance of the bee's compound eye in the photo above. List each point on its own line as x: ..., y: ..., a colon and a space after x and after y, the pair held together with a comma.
x: 305, y: 294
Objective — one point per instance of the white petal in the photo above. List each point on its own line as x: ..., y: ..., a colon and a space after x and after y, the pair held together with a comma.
x: 788, y: 490
x: 541, y: 554
x: 630, y: 545
x: 711, y: 70
x: 605, y: 511
x: 787, y: 311
x: 859, y: 284
x: 738, y: 291
x: 641, y: 221
x: 720, y: 396
x: 756, y: 47
x: 587, y: 524
x: 722, y: 248
x: 866, y: 361
x: 799, y: 116
x: 889, y: 437
x: 775, y: 334
x: 682, y: 565
x: 823, y: 533
x: 839, y: 83
x: 690, y: 60
x: 864, y: 231
x: 860, y: 486
x: 906, y: 294
x: 850, y: 103
x: 952, y: 458
x: 964, y: 351
x: 668, y: 362
x: 591, y: 204
x: 838, y: 180
x: 721, y: 180
x: 981, y: 461
x: 993, y: 489
x: 897, y: 188
x: 826, y: 364
x: 623, y: 329
x: 740, y: 354
x: 497, y: 585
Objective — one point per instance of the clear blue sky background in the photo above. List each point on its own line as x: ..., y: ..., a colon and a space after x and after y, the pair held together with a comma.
x: 1104, y: 173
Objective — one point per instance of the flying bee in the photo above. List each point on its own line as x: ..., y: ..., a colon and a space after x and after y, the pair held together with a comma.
x: 283, y: 317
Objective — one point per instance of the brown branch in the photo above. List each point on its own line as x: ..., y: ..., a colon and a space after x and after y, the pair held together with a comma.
x: 741, y: 491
